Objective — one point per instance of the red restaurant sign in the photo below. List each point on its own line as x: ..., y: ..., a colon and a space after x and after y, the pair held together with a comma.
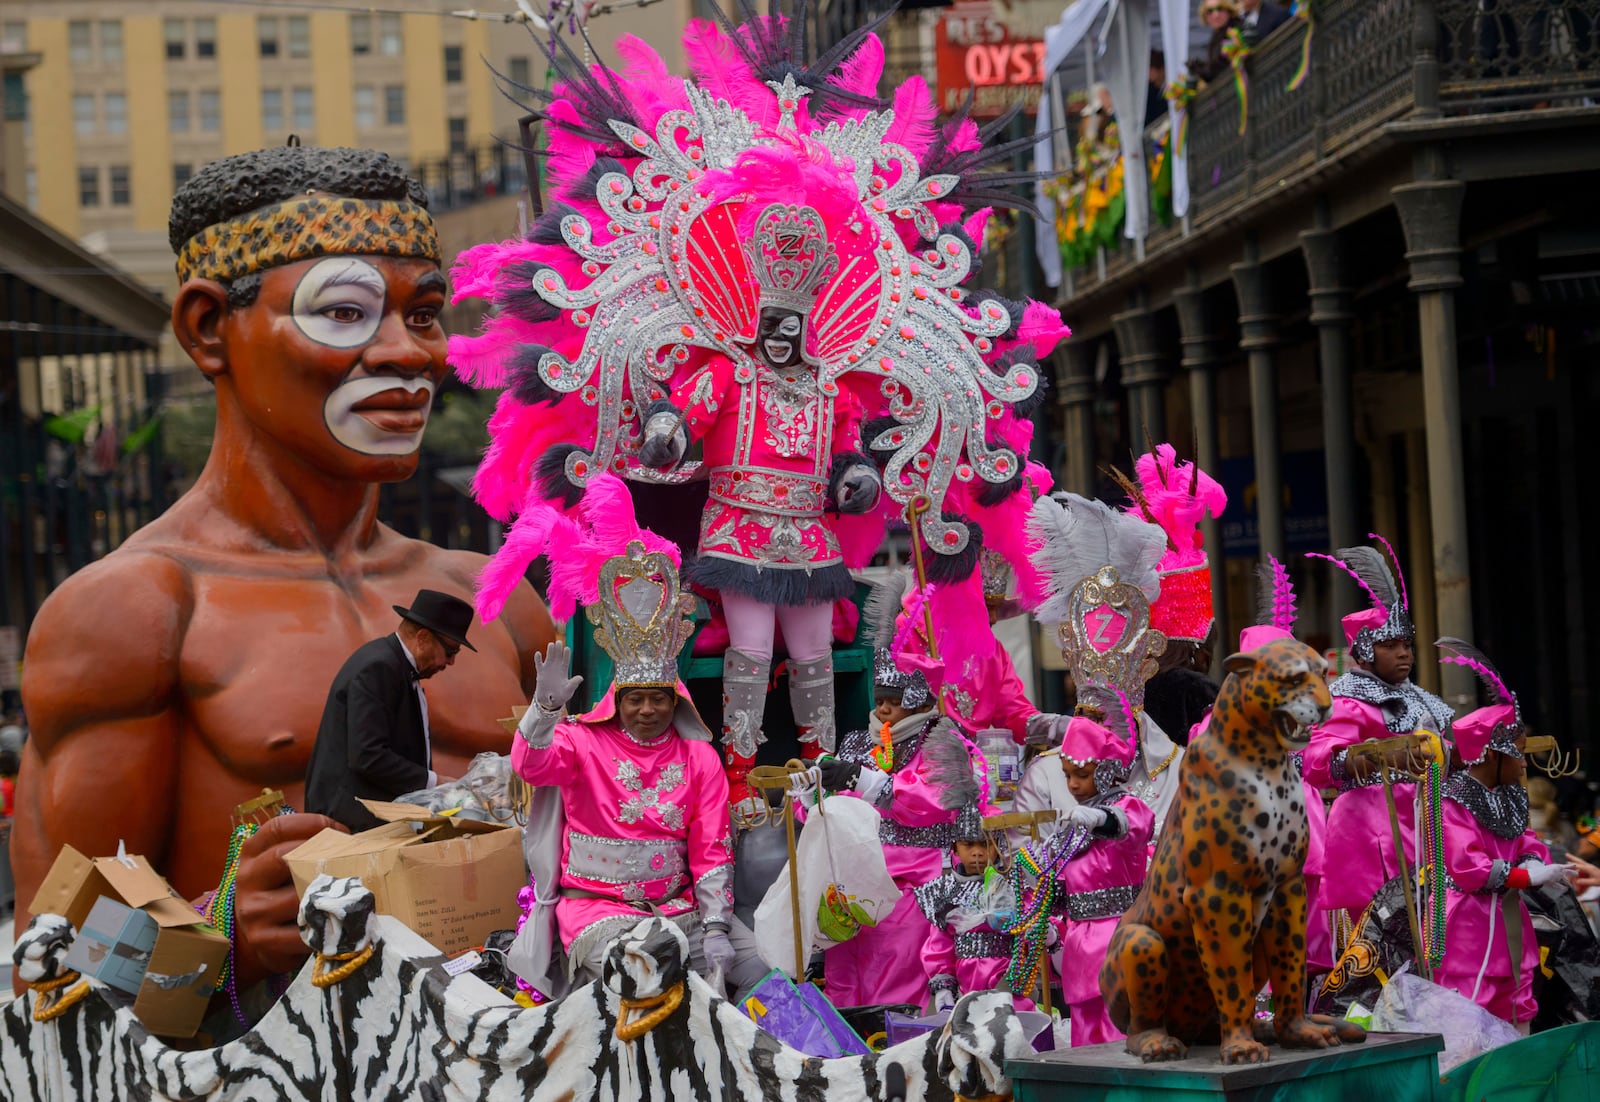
x: 976, y: 52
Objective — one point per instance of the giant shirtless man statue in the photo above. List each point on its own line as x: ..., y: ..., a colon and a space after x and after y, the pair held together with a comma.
x: 187, y: 670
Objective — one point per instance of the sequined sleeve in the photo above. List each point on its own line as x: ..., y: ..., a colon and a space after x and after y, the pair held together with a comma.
x: 705, y: 395
x: 939, y: 960
x: 710, y: 837
x: 554, y: 764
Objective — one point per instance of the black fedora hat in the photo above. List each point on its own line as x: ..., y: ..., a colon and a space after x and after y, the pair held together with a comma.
x: 441, y: 614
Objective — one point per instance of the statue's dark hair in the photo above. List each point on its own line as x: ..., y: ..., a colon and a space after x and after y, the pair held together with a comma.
x: 236, y: 185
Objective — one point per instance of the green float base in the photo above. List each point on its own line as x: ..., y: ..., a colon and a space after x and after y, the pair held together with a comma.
x: 1403, y: 1067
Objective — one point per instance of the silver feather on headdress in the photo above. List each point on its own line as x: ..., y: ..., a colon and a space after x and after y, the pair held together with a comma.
x: 882, y: 607
x: 1077, y: 536
x: 1372, y: 571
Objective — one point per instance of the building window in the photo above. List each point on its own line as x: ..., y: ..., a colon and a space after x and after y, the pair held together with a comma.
x: 458, y: 135
x: 210, y: 101
x: 519, y: 70
x: 304, y: 113
x: 452, y: 64
x: 361, y: 35
x: 178, y: 112
x: 366, y: 104
x: 83, y: 114
x: 272, y: 109
x: 391, y: 41
x: 14, y: 38
x: 172, y: 30
x: 299, y: 36
x: 205, y: 38
x: 121, y: 194
x: 267, y: 35
x: 394, y: 105
x: 111, y: 41
x: 88, y: 186
x: 116, y: 113
x: 16, y: 97
x: 80, y: 42
x: 180, y: 175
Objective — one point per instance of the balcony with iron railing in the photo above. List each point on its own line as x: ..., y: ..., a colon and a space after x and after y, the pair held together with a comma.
x: 471, y: 175
x: 1372, y: 62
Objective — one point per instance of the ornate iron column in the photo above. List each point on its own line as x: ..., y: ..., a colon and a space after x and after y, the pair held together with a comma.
x: 1258, y: 329
x: 1076, y: 396
x: 1144, y: 372
x: 1331, y: 314
x: 1430, y: 213
x: 1202, y: 351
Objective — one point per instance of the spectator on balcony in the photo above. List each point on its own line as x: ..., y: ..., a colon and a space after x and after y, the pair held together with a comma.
x: 1221, y: 16
x: 1155, y: 106
x: 1259, y: 18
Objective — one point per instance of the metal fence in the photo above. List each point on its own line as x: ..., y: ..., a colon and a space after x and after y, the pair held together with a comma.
x: 1372, y: 62
x: 471, y: 175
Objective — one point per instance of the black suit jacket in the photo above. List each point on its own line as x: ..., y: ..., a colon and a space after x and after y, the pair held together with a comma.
x: 1271, y: 17
x: 370, y: 742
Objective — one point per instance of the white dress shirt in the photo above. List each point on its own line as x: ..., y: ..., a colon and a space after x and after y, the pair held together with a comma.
x: 422, y: 702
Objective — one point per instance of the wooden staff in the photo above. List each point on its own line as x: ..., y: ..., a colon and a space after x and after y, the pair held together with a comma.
x: 1374, y: 751
x: 914, y: 513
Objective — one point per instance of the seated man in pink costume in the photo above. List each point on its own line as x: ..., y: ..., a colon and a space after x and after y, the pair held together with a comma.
x: 1492, y: 855
x: 964, y: 952
x: 1275, y: 616
x: 915, y: 770
x: 1376, y: 700
x: 642, y: 823
x: 1099, y: 884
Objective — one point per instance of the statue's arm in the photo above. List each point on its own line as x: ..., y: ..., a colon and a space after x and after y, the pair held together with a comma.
x: 101, y: 690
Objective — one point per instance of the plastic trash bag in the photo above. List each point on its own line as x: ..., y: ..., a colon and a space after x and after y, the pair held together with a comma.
x: 1411, y: 1004
x: 840, y: 847
x: 483, y: 792
x: 802, y: 1018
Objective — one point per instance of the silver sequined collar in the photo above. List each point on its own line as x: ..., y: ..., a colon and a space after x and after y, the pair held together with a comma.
x: 1405, y: 706
x: 1503, y: 811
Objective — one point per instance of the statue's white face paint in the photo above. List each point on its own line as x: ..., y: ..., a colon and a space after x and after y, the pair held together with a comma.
x: 339, y: 302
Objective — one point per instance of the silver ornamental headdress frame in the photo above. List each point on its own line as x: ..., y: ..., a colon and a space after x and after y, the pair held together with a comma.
x: 1106, y: 636
x: 997, y: 575
x: 791, y: 256
x: 642, y: 618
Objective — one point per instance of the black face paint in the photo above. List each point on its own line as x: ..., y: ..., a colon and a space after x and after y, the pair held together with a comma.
x: 780, y: 336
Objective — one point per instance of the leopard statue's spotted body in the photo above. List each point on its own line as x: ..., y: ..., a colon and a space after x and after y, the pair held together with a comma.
x: 1223, y: 908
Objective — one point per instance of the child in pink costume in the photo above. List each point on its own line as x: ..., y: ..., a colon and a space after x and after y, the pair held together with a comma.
x: 1102, y: 881
x: 963, y: 953
x: 915, y: 783
x: 1376, y: 700
x: 1490, y: 852
x: 1275, y: 613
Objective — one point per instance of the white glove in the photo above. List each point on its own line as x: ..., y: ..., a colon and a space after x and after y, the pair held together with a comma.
x: 1052, y: 935
x: 943, y: 999
x: 871, y: 783
x: 1089, y: 818
x: 550, y: 696
x: 1540, y: 874
x: 1045, y: 729
x: 717, y: 948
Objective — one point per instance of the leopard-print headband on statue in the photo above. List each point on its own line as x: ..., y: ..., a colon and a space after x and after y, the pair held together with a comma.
x: 306, y: 227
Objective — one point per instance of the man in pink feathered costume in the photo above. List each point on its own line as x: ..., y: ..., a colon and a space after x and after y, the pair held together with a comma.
x: 756, y: 259
x: 1376, y: 700
x: 782, y: 454
x: 1492, y: 855
x: 630, y: 810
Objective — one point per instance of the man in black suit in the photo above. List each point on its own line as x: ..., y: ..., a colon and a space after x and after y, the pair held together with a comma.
x: 1259, y: 18
x: 373, y: 740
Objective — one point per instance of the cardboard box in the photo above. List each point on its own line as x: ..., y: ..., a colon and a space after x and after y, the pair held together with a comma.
x: 115, y: 903
x: 452, y: 882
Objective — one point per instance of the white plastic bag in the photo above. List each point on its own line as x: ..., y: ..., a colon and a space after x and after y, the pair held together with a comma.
x: 481, y: 793
x: 1411, y: 1004
x: 839, y: 846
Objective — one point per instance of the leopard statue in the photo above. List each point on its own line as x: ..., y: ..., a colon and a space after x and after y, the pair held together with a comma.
x: 1223, y: 907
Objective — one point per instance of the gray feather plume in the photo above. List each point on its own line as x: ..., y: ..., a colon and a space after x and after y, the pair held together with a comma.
x: 882, y: 607
x: 949, y: 766
x: 1076, y: 536
x: 1372, y: 571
